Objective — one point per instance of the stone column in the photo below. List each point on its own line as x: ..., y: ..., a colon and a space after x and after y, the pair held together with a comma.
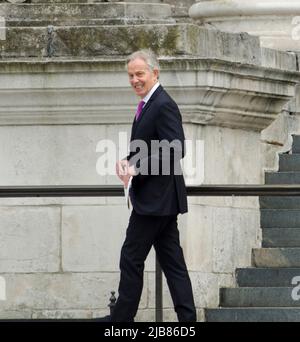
x: 276, y: 22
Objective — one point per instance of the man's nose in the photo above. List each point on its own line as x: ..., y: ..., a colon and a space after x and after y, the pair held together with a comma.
x: 134, y: 79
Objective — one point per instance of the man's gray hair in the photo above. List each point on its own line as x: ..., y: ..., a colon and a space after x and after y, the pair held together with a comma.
x: 146, y: 55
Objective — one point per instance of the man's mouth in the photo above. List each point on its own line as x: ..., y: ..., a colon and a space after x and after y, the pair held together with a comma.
x: 138, y: 87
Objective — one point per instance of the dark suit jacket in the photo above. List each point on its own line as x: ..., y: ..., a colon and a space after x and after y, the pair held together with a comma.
x: 159, y: 194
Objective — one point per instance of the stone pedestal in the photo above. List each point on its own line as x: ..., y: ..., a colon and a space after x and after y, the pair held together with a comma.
x: 276, y: 22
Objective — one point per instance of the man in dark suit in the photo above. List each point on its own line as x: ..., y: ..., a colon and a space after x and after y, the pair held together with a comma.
x: 157, y: 193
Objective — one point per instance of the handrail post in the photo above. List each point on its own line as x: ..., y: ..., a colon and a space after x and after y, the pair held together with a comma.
x: 158, y: 292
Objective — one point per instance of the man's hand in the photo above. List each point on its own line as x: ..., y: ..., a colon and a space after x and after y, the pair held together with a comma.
x: 124, y: 171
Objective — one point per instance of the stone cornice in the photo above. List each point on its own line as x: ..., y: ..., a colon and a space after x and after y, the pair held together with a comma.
x: 208, y: 92
x: 183, y: 63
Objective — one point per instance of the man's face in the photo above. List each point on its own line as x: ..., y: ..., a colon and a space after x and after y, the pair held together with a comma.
x: 141, y: 77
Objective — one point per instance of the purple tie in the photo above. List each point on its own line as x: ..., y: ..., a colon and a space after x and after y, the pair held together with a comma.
x: 139, y: 110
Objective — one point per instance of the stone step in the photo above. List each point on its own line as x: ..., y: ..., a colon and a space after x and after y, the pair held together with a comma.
x: 279, y: 202
x: 282, y: 177
x: 258, y: 297
x: 296, y: 144
x: 280, y: 218
x: 289, y: 162
x: 279, y: 237
x: 91, y: 41
x: 276, y: 257
x: 253, y: 315
x: 71, y: 14
x: 266, y: 277
x: 121, y: 40
x: 85, y: 22
x: 89, y: 1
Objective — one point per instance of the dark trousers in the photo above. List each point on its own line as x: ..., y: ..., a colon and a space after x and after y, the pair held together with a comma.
x: 162, y: 232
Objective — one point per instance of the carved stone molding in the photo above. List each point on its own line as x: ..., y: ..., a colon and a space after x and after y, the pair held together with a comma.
x: 208, y: 92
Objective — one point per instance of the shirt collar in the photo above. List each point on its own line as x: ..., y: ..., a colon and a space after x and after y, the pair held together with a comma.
x: 151, y: 92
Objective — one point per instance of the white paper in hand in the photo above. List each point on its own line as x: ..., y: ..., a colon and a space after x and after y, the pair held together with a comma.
x: 126, y: 193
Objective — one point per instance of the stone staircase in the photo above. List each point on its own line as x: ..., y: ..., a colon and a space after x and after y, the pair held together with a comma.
x: 83, y: 13
x: 85, y: 28
x: 90, y: 29
x: 264, y: 292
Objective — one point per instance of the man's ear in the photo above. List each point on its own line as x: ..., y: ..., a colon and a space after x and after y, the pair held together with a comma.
x: 156, y: 73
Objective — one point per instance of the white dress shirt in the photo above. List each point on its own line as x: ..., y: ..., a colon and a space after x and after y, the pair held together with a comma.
x: 151, y: 92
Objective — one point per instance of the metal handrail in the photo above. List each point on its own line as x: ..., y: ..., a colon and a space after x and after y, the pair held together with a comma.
x: 117, y: 191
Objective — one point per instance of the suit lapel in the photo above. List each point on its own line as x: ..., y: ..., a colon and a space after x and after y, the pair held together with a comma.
x: 143, y: 113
